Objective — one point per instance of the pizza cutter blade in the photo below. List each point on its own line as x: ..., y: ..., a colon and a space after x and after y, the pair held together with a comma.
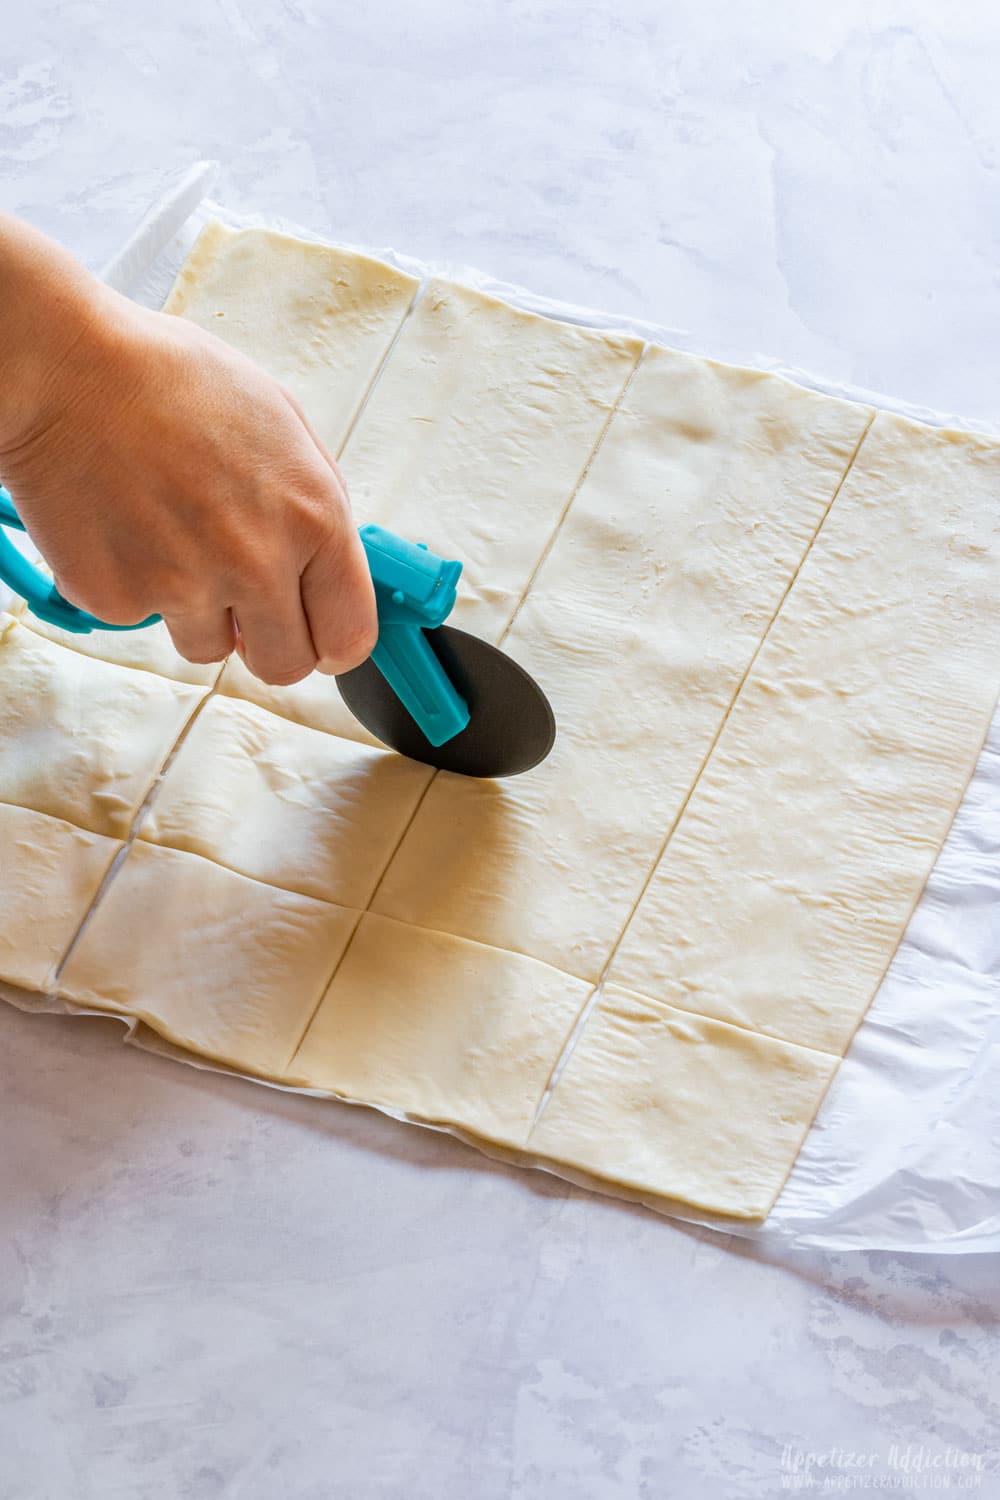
x: 511, y: 725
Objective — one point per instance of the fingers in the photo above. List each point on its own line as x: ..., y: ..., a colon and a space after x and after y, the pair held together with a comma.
x: 337, y: 592
x: 339, y: 602
x: 203, y: 637
x: 289, y: 625
x: 275, y: 641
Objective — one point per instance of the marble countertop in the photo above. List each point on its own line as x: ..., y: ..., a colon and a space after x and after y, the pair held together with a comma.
x: 211, y: 1289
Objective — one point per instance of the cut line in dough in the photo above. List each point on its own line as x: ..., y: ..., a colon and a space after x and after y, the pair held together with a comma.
x: 318, y: 319
x: 50, y: 871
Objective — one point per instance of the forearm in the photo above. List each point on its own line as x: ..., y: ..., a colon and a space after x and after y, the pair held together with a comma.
x: 49, y: 302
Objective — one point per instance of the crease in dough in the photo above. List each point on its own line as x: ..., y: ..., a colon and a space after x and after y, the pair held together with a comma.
x: 319, y: 319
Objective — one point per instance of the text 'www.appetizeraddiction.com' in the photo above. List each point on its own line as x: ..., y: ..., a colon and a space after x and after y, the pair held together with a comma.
x: 903, y: 1468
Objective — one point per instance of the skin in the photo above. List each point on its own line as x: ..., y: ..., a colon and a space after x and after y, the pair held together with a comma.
x: 160, y: 472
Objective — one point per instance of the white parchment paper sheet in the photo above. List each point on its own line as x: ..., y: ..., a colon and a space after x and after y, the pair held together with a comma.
x: 905, y: 1151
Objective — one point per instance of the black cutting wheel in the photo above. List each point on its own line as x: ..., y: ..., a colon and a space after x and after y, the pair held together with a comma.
x: 511, y: 727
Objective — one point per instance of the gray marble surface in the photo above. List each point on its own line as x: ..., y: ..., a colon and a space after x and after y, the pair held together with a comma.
x: 209, y: 1289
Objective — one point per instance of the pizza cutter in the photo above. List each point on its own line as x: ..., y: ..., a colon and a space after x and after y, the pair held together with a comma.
x: 430, y: 691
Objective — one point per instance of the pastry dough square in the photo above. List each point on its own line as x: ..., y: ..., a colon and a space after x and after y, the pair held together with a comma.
x: 82, y: 739
x: 215, y: 962
x: 317, y: 318
x: 315, y: 701
x: 450, y: 1031
x: 680, y: 544
x: 476, y: 435
x: 49, y: 874
x: 302, y: 810
x: 148, y: 650
x: 669, y: 1103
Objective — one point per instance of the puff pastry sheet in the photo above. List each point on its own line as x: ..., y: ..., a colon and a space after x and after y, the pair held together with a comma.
x: 769, y: 624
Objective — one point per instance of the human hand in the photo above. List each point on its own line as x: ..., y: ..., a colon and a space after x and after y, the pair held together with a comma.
x: 160, y: 471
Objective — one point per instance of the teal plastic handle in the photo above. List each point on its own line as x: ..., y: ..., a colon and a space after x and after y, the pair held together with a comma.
x: 415, y: 591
